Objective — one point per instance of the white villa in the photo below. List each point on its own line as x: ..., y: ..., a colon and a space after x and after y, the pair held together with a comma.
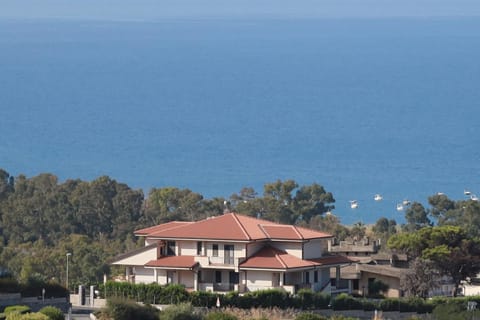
x: 233, y: 252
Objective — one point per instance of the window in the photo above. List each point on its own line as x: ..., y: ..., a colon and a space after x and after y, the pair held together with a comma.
x: 307, y: 277
x: 234, y: 277
x: 199, y: 275
x: 228, y: 254
x: 170, y: 248
x: 355, y: 284
x: 218, y: 276
x: 199, y: 248
x: 215, y: 250
x: 315, y: 276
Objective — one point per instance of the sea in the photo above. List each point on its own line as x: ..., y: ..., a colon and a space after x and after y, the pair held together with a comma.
x: 360, y: 106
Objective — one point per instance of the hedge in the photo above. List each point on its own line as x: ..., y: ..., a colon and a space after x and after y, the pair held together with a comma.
x: 32, y: 288
x: 305, y: 299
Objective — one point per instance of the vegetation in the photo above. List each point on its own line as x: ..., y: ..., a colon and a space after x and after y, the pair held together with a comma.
x: 41, y: 219
x: 448, y: 248
x: 52, y: 313
x: 121, y: 309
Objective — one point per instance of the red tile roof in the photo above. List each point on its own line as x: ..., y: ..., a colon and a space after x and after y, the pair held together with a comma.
x: 231, y: 226
x: 187, y: 262
x: 161, y: 227
x: 272, y: 258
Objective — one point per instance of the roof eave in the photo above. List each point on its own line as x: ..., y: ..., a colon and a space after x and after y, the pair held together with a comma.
x: 199, y: 239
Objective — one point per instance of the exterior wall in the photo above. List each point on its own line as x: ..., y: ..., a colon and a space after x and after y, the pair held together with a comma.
x: 139, y: 259
x: 143, y: 275
x: 254, y: 247
x: 293, y: 248
x: 324, y: 275
x: 239, y: 251
x: 315, y: 248
x: 186, y: 248
x: 258, y: 280
x: 186, y: 278
x: 393, y: 284
x: 161, y: 277
x: 149, y: 241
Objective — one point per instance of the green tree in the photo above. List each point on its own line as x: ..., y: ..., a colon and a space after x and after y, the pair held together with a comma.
x: 384, y: 228
x: 417, y: 217
x: 168, y: 204
x: 449, y: 249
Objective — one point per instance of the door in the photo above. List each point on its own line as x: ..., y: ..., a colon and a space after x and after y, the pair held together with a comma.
x: 275, y: 279
x: 228, y: 254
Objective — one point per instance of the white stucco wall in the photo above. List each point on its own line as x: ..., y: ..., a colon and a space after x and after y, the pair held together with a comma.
x: 143, y: 275
x: 258, y: 280
x: 161, y: 277
x: 149, y: 241
x: 186, y: 278
x: 254, y: 247
x: 139, y: 259
x: 315, y: 248
x: 187, y: 248
x: 293, y: 248
x: 238, y: 250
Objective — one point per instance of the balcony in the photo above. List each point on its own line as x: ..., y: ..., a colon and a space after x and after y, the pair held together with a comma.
x: 217, y: 287
x: 205, y: 261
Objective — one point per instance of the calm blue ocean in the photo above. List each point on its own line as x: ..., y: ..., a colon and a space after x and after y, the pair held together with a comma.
x: 360, y: 106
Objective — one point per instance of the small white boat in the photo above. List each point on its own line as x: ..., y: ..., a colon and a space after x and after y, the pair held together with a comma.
x: 353, y: 204
x: 406, y: 202
x: 399, y: 207
x: 378, y: 197
x: 473, y: 197
x: 467, y: 192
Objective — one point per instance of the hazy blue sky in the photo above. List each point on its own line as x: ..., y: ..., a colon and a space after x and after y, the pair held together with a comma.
x: 158, y: 9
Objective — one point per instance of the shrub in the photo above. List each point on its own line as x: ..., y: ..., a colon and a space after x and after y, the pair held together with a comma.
x: 267, y: 298
x: 368, y: 305
x: 309, y: 316
x: 26, y: 316
x: 389, y: 304
x: 125, y: 310
x: 345, y: 302
x: 9, y: 285
x: 52, y: 313
x: 219, y: 316
x: 453, y: 311
x: 183, y: 311
x: 34, y: 287
x: 203, y: 299
x: 376, y: 287
x: 17, y: 309
x: 306, y: 299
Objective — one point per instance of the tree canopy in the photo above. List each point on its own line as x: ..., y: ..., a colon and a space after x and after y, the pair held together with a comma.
x: 452, y: 252
x: 41, y: 219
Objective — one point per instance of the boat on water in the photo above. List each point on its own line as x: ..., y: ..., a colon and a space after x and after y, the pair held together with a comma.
x: 378, y: 197
x: 353, y: 204
x: 400, y: 207
x: 467, y: 192
x: 473, y: 197
x: 406, y: 202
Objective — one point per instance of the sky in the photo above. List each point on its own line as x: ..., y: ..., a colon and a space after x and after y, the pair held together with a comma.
x: 160, y: 9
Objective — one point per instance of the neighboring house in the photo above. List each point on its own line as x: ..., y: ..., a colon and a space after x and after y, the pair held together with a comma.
x: 369, y: 266
x: 233, y: 252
